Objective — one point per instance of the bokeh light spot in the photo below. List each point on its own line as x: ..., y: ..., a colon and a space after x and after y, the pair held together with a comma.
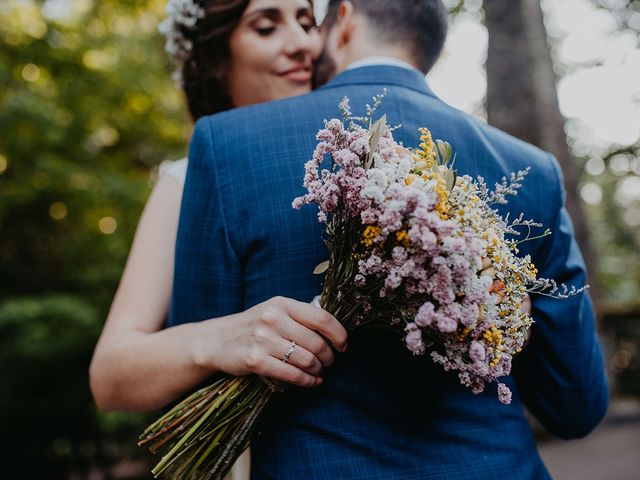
x: 591, y: 193
x: 31, y: 72
x: 58, y: 210
x: 108, y: 225
x: 595, y: 166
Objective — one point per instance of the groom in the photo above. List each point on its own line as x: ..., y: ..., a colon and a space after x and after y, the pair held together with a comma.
x: 381, y: 413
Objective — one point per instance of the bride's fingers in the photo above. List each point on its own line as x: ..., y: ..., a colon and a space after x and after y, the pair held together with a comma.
x: 318, y: 320
x: 308, y: 339
x: 526, y: 304
x: 298, y: 356
x: 274, y: 368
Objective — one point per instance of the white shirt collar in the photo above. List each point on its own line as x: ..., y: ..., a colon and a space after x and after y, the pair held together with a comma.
x: 381, y: 60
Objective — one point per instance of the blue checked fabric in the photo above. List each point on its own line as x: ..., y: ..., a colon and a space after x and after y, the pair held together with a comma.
x: 381, y: 413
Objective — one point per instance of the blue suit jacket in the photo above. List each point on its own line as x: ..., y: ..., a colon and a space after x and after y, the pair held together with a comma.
x: 381, y: 413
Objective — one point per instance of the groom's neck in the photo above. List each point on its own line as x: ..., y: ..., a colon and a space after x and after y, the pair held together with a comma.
x: 378, y: 53
x: 366, y: 45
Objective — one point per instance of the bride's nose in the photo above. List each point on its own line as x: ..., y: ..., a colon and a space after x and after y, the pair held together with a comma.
x: 300, y: 41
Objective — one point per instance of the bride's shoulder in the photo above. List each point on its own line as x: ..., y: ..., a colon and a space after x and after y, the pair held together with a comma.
x: 174, y: 168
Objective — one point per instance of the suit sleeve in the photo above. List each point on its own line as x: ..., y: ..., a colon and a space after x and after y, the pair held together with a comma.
x: 560, y: 374
x: 207, y: 273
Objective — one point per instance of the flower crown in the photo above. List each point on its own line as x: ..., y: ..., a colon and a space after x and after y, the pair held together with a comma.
x: 182, y: 16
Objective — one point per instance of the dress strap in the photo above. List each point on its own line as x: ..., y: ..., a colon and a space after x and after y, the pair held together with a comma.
x: 176, y: 169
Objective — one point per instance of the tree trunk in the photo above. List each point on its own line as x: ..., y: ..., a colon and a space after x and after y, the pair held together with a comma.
x: 522, y: 97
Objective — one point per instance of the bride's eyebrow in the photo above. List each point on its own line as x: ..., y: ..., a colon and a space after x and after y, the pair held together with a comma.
x: 306, y: 12
x: 271, y: 13
x: 275, y: 13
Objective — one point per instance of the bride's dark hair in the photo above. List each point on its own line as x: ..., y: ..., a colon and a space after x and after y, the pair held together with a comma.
x: 204, y: 71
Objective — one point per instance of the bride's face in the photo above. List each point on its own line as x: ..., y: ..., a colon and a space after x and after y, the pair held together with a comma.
x: 272, y: 51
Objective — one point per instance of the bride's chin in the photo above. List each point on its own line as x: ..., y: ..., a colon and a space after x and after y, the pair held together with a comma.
x: 288, y: 90
x: 299, y: 89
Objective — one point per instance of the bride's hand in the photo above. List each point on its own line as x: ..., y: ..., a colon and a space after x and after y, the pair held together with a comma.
x: 257, y: 341
x: 525, y: 306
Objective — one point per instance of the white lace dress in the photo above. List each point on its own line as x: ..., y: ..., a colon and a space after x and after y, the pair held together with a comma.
x: 178, y: 170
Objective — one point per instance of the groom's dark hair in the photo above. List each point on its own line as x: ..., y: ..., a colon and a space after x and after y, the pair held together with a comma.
x: 418, y: 25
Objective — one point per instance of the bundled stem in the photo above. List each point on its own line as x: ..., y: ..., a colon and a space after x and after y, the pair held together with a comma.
x: 202, y: 436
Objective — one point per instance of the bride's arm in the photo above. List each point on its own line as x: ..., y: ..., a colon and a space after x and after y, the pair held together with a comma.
x: 139, y: 366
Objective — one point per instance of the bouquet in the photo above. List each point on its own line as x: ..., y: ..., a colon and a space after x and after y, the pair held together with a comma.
x: 413, y: 248
x: 422, y: 250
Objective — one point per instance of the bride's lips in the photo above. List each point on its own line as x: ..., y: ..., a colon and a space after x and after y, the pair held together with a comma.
x: 297, y: 74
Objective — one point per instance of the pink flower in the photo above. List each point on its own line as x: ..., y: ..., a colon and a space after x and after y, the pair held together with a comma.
x: 369, y: 216
x: 469, y: 315
x: 453, y: 311
x: 477, y: 352
x: 477, y: 386
x: 358, y: 141
x: 399, y: 255
x: 346, y: 158
x: 390, y: 219
x: 424, y: 237
x: 409, y: 269
x: 504, y: 394
x: 413, y: 340
x: 371, y: 265
x: 334, y: 126
x: 445, y: 324
x: 325, y: 135
x: 441, y: 285
x: 425, y: 314
x: 393, y: 280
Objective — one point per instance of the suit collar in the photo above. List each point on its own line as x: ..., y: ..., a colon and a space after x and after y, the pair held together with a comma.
x: 381, y: 75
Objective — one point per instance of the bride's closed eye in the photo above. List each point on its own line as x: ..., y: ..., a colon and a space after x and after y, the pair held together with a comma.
x: 268, y: 27
x: 308, y: 26
x: 264, y: 27
x: 307, y: 22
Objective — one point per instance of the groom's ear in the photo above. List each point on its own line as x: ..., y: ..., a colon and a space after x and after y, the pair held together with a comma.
x: 345, y: 23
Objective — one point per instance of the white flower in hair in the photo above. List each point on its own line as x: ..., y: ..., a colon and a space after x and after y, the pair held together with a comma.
x: 182, y: 15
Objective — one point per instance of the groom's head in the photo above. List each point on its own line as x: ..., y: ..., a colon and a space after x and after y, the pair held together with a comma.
x: 412, y: 30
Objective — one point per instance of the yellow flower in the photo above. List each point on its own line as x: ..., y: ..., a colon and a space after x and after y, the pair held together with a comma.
x: 427, y: 151
x: 443, y: 197
x: 493, y: 336
x: 402, y: 236
x: 370, y: 234
x: 463, y: 334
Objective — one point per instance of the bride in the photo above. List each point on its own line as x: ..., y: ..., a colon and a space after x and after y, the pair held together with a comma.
x: 231, y: 53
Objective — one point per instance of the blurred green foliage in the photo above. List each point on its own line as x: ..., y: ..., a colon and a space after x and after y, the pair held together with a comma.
x: 87, y: 110
x: 615, y: 220
x: 614, y: 224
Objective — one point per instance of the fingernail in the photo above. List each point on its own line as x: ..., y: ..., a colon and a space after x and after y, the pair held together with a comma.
x: 318, y: 381
x: 344, y: 349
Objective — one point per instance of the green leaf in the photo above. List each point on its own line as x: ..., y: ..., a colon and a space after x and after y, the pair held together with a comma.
x: 444, y: 150
x: 377, y: 130
x: 321, y: 268
x: 450, y: 179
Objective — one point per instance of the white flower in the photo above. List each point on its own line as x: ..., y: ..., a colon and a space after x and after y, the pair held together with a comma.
x: 377, y: 178
x: 373, y: 192
x: 181, y: 15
